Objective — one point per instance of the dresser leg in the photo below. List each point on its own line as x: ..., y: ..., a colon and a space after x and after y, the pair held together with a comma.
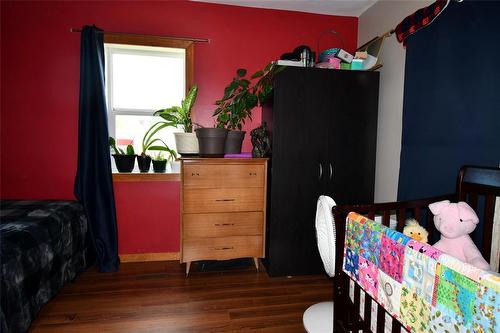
x: 256, y: 262
x: 188, y: 265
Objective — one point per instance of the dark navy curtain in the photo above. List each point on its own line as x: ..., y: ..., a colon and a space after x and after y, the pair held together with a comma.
x: 93, y: 184
x: 451, y: 112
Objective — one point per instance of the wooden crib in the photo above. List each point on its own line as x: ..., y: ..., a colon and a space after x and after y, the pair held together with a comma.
x: 478, y: 186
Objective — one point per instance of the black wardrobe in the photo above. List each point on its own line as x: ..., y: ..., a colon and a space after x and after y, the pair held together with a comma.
x: 323, y: 126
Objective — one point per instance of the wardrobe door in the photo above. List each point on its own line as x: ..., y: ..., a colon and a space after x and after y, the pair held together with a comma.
x: 353, y: 138
x: 297, y: 176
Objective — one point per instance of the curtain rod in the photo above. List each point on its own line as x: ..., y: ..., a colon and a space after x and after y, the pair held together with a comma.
x: 191, y: 39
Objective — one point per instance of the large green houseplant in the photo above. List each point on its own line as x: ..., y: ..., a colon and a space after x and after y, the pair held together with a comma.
x: 180, y: 117
x: 241, y: 96
x: 124, y: 159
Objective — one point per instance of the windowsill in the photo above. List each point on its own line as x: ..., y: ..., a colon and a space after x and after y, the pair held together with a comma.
x: 146, y: 177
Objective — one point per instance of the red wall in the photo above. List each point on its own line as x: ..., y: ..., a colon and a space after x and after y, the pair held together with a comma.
x: 40, y: 86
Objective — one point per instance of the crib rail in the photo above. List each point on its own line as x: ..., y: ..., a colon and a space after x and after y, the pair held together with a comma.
x: 478, y: 186
x: 347, y: 316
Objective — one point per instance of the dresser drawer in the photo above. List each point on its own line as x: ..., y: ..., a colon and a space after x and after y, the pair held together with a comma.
x: 220, y: 175
x: 221, y: 248
x: 222, y: 224
x: 212, y: 200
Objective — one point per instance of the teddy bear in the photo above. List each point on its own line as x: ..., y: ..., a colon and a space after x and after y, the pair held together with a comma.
x: 455, y: 221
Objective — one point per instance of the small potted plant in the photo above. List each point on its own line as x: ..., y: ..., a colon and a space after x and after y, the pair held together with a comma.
x: 124, y: 160
x: 148, y: 143
x: 180, y: 116
x: 240, y: 98
x: 160, y: 161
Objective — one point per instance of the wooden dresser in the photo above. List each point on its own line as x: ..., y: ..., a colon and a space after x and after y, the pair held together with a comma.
x: 223, y: 209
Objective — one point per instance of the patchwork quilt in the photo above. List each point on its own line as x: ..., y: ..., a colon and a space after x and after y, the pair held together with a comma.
x: 426, y: 290
x: 43, y: 246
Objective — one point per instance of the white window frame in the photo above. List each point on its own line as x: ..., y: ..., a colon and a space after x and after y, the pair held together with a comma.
x: 113, y: 48
x: 129, y: 42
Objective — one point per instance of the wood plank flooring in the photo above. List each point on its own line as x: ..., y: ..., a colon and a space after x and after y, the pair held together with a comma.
x: 157, y: 297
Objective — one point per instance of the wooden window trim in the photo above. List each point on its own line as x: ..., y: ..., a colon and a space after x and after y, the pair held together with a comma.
x: 147, y: 177
x: 187, y: 45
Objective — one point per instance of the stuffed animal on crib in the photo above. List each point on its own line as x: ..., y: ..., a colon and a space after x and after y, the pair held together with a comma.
x: 455, y: 221
x: 414, y: 230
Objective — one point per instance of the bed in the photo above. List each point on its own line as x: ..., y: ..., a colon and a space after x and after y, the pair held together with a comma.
x: 44, y: 245
x: 356, y: 310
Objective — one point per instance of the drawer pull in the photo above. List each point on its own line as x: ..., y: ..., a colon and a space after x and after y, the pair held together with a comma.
x: 225, y: 200
x: 252, y: 173
x: 223, y: 248
x: 223, y: 224
x: 195, y: 174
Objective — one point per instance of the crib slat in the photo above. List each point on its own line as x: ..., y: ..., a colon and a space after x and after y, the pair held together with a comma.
x: 368, y: 313
x: 401, y: 219
x: 489, y: 209
x: 380, y: 319
x: 356, y: 299
x: 386, y: 218
x: 417, y: 214
x: 473, y: 201
x: 396, y: 326
x: 430, y: 225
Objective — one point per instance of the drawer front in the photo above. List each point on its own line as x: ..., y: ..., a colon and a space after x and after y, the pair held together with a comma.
x: 212, y: 200
x: 222, y: 224
x: 222, y: 248
x: 220, y: 175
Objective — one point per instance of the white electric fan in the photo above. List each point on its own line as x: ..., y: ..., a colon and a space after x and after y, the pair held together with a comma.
x: 318, y: 318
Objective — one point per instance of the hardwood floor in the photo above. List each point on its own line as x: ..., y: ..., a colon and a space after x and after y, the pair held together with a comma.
x: 157, y: 297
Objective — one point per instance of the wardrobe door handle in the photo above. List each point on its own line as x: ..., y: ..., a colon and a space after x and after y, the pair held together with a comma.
x: 320, y: 171
x: 331, y: 171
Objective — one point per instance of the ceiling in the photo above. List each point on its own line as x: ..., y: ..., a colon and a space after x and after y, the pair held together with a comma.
x: 328, y: 7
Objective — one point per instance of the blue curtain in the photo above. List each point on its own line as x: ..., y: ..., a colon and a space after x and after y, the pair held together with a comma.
x: 451, y: 109
x: 94, y: 184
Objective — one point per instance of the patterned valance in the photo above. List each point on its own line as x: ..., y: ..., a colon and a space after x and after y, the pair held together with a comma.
x: 419, y: 20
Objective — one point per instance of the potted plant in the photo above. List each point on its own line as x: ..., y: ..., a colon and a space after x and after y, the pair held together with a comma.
x: 148, y: 141
x: 240, y: 98
x: 124, y: 160
x: 160, y: 161
x: 180, y: 116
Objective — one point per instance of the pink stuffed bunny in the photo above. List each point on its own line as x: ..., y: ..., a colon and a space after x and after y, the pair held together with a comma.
x: 456, y: 221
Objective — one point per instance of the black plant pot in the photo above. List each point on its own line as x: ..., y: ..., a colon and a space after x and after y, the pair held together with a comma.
x: 124, y: 163
x: 211, y: 141
x: 160, y: 166
x: 144, y: 162
x: 233, y: 142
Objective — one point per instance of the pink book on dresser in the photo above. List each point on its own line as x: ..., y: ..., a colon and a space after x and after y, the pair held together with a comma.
x: 241, y: 155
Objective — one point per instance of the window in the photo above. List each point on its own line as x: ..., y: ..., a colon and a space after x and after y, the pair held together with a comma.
x: 144, y: 74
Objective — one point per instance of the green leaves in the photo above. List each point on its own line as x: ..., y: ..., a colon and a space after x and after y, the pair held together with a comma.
x: 130, y: 150
x: 180, y: 115
x: 241, y: 72
x: 112, y: 144
x: 241, y: 96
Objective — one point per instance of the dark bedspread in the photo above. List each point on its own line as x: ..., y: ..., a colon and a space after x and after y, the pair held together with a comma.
x: 43, y: 246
